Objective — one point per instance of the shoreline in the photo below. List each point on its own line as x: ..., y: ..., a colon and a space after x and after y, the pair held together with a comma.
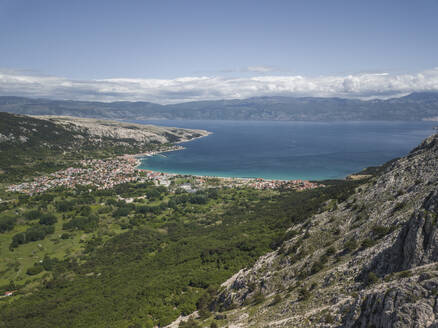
x: 175, y: 147
x: 138, y: 158
x: 154, y: 174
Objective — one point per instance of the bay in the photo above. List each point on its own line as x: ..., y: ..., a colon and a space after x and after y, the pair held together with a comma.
x: 288, y: 150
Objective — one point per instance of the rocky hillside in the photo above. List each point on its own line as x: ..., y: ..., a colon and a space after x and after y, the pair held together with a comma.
x: 47, y: 131
x: 370, y: 261
x: 140, y: 133
x: 30, y: 145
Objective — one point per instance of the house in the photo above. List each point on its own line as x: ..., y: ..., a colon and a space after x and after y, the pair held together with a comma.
x: 187, y: 187
x: 9, y: 293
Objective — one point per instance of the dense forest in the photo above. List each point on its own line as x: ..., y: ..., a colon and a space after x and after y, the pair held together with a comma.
x: 81, y: 258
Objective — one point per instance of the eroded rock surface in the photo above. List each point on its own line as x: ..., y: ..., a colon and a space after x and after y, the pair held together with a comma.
x: 370, y: 261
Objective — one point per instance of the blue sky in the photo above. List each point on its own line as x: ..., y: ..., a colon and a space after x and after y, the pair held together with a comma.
x: 85, y: 41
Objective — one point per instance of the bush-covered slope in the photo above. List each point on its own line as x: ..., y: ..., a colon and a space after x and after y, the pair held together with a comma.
x: 109, y: 263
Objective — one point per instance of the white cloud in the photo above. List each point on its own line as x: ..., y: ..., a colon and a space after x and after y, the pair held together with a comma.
x: 380, y: 85
x: 259, y: 69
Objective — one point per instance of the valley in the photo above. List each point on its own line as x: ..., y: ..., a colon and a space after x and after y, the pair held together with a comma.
x: 122, y: 249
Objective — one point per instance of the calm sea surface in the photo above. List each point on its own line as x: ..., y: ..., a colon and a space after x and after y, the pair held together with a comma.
x: 288, y: 150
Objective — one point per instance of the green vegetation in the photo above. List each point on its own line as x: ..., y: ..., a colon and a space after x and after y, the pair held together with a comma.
x: 33, y: 233
x: 372, y: 278
x: 135, y: 255
x: 36, y: 146
x: 276, y: 300
x: 82, y: 258
x: 7, y: 223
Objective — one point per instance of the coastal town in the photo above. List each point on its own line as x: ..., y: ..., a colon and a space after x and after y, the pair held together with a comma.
x: 107, y: 173
x: 103, y: 174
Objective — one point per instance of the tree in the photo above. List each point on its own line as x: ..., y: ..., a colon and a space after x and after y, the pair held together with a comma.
x: 48, y: 219
x: 7, y: 223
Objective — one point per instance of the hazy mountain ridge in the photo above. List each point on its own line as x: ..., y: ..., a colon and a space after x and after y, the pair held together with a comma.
x: 370, y: 261
x: 416, y: 106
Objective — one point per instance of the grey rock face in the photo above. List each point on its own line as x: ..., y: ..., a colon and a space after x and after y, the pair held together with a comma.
x: 389, y: 278
x: 417, y: 242
x: 411, y: 303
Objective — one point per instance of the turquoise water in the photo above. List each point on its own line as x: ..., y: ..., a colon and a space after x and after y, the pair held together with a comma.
x: 288, y: 150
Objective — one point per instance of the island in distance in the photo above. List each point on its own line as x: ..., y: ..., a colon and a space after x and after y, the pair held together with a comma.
x: 416, y: 106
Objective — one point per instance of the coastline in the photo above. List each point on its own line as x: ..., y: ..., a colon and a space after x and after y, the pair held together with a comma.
x: 163, y: 178
x: 257, y: 181
x: 175, y: 147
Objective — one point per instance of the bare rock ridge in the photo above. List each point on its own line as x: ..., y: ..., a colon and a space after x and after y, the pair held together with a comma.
x: 370, y: 261
x: 120, y: 130
x: 65, y: 132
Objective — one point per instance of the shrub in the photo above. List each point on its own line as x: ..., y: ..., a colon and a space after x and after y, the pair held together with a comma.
x: 204, y: 313
x: 49, y: 262
x: 316, y: 267
x: 328, y: 318
x: 398, y: 207
x: 65, y: 235
x: 85, y: 210
x: 198, y: 199
x: 372, y: 278
x: 7, y: 223
x: 32, y: 215
x: 367, y: 243
x: 121, y: 211
x: 330, y: 251
x: 48, y: 219
x: 380, y: 231
x: 191, y: 323
x: 35, y: 233
x: 304, y: 294
x: 276, y: 300
x: 258, y: 299
x: 18, y: 239
x: 405, y: 274
x: 86, y: 224
x: 350, y: 245
x: 64, y: 206
x: 323, y: 259
x: 37, y: 268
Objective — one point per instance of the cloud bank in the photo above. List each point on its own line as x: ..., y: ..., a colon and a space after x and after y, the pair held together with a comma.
x: 164, y: 91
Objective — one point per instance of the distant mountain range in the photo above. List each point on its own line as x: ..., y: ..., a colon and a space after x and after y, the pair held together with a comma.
x: 413, y: 107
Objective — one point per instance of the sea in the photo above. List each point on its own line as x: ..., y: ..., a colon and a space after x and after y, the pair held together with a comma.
x: 288, y: 150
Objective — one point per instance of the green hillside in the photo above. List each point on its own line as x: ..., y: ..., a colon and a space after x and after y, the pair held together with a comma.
x: 32, y: 146
x: 88, y: 259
